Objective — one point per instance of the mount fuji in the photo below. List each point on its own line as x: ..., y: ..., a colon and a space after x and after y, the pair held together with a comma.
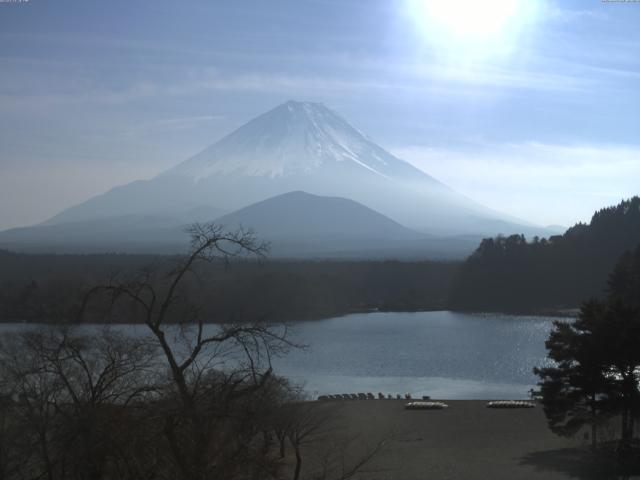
x: 296, y: 147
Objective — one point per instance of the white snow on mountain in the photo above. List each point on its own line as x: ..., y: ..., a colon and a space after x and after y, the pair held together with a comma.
x: 292, y: 139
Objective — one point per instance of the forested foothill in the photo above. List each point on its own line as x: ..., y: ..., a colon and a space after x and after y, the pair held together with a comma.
x: 47, y: 288
x: 513, y: 274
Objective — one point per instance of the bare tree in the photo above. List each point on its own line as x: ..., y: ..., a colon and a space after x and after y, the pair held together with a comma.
x: 68, y: 395
x: 306, y: 423
x: 212, y: 369
x: 189, y: 399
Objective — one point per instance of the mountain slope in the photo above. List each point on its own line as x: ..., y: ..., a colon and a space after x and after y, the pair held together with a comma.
x: 299, y: 215
x: 298, y: 139
x: 130, y: 233
x: 300, y: 146
x: 126, y: 233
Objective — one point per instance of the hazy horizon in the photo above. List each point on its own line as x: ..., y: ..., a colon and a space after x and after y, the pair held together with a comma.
x: 529, y: 109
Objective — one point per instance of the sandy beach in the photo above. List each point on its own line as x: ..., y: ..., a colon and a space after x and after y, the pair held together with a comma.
x: 465, y: 441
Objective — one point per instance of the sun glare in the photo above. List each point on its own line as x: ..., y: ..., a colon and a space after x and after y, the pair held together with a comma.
x: 470, y: 27
x: 471, y: 18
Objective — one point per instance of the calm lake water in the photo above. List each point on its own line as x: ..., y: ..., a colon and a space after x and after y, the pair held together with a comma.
x: 441, y: 354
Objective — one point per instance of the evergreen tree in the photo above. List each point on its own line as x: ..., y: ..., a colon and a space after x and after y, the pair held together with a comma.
x: 597, y: 361
x: 576, y: 392
x: 624, y: 281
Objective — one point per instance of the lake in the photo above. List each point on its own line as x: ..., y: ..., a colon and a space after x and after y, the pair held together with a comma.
x: 441, y: 354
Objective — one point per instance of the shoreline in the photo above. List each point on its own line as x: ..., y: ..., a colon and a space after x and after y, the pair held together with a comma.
x: 555, y: 313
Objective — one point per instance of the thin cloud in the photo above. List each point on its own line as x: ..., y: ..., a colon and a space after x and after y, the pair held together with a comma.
x: 171, y: 124
x: 545, y: 183
x: 440, y: 79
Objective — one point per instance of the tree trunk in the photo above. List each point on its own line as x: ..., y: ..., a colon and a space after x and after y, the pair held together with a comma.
x: 282, y: 439
x: 296, y: 474
x: 45, y: 454
x: 625, y: 441
x: 594, y: 426
x: 266, y: 441
x: 282, y: 447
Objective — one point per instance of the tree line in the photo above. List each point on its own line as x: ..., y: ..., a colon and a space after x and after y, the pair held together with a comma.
x: 513, y: 274
x: 46, y: 288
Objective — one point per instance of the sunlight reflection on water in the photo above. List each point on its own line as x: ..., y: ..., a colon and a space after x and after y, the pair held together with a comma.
x: 442, y: 354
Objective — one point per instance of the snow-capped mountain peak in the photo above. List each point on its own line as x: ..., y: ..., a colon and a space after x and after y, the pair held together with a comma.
x: 295, y: 138
x: 297, y: 146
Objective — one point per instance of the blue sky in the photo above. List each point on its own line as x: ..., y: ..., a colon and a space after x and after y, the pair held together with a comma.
x: 539, y: 119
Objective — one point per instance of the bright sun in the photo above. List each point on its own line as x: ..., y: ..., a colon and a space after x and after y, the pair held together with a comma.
x: 471, y: 18
x: 469, y: 25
